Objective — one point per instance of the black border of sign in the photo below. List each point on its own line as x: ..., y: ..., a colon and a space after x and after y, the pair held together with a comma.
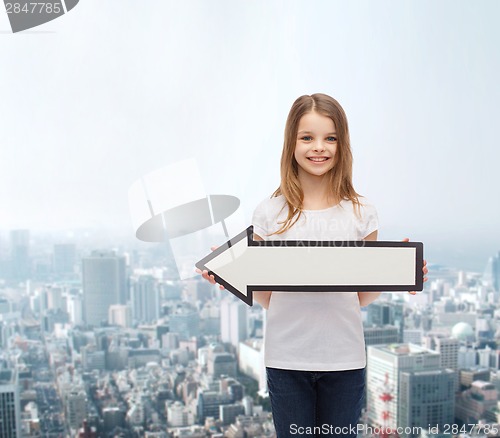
x: 248, y: 234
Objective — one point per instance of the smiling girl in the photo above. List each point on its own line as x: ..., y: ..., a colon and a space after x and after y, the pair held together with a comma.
x: 314, y: 349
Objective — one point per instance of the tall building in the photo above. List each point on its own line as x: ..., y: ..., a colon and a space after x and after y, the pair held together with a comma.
x: 386, y: 313
x: 210, y: 318
x: 492, y: 272
x: 426, y: 397
x: 251, y: 361
x: 234, y: 321
x: 113, y: 417
x: 405, y: 384
x: 120, y: 314
x: 485, y: 328
x: 386, y: 334
x: 75, y: 308
x: 19, y: 254
x: 228, y: 413
x: 489, y: 357
x: 466, y: 357
x: 93, y: 359
x: 76, y: 408
x: 55, y: 300
x: 10, y: 405
x: 208, y: 403
x: 64, y: 258
x: 178, y: 415
x: 448, y: 348
x: 145, y: 299
x: 104, y: 283
x: 221, y: 364
x: 186, y: 321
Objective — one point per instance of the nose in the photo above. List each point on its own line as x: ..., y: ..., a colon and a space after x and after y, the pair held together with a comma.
x: 318, y: 146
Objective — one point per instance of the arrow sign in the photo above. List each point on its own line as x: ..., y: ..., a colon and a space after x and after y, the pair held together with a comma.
x: 243, y: 265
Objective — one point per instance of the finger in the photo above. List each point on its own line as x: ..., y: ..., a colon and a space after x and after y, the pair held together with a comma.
x: 206, y: 276
x: 406, y: 239
x: 221, y: 287
x: 213, y: 248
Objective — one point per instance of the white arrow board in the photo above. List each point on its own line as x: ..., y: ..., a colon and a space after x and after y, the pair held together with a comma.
x: 243, y: 265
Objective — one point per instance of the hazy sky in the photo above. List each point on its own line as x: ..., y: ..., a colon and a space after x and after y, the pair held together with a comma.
x: 113, y: 90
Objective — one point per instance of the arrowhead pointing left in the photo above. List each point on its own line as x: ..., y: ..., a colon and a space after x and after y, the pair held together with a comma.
x: 227, y: 265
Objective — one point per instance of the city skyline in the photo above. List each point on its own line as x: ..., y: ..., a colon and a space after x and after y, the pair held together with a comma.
x: 468, y: 256
x: 431, y: 357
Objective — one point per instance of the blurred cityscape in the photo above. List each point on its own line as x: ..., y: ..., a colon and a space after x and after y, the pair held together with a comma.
x: 108, y: 342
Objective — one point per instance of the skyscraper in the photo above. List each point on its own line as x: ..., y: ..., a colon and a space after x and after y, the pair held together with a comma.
x: 120, y: 314
x: 64, y: 258
x: 407, y: 386
x: 10, y: 407
x: 234, y: 321
x: 145, y: 299
x: 76, y: 407
x: 447, y: 347
x: 386, y: 313
x: 185, y: 321
x: 104, y: 283
x: 75, y: 307
x: 492, y: 272
x: 19, y: 254
x: 426, y: 397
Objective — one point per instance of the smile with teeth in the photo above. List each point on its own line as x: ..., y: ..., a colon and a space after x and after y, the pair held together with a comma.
x: 317, y: 159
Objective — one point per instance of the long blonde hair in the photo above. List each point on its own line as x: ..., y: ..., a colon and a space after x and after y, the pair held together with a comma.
x: 340, y: 177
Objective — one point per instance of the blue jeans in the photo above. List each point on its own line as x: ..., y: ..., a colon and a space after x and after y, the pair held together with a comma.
x: 316, y: 403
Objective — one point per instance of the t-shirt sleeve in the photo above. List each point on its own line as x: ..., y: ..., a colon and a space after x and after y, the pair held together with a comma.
x: 260, y: 220
x: 369, y: 219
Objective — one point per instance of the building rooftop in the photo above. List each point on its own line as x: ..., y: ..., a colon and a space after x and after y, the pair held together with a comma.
x: 483, y: 385
x: 408, y: 349
x: 429, y: 372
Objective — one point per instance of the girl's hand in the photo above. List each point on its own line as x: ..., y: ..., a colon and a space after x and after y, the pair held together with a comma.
x: 424, y: 268
x: 205, y: 275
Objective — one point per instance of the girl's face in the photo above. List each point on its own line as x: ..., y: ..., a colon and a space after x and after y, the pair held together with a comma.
x: 316, y: 145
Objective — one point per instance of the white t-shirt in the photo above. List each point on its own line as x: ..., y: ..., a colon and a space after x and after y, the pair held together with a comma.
x: 316, y: 331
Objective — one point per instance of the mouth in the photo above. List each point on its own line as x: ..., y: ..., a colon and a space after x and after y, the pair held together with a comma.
x: 318, y: 159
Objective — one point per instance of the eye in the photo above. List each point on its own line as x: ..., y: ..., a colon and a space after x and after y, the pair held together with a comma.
x: 307, y: 138
x: 331, y: 138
